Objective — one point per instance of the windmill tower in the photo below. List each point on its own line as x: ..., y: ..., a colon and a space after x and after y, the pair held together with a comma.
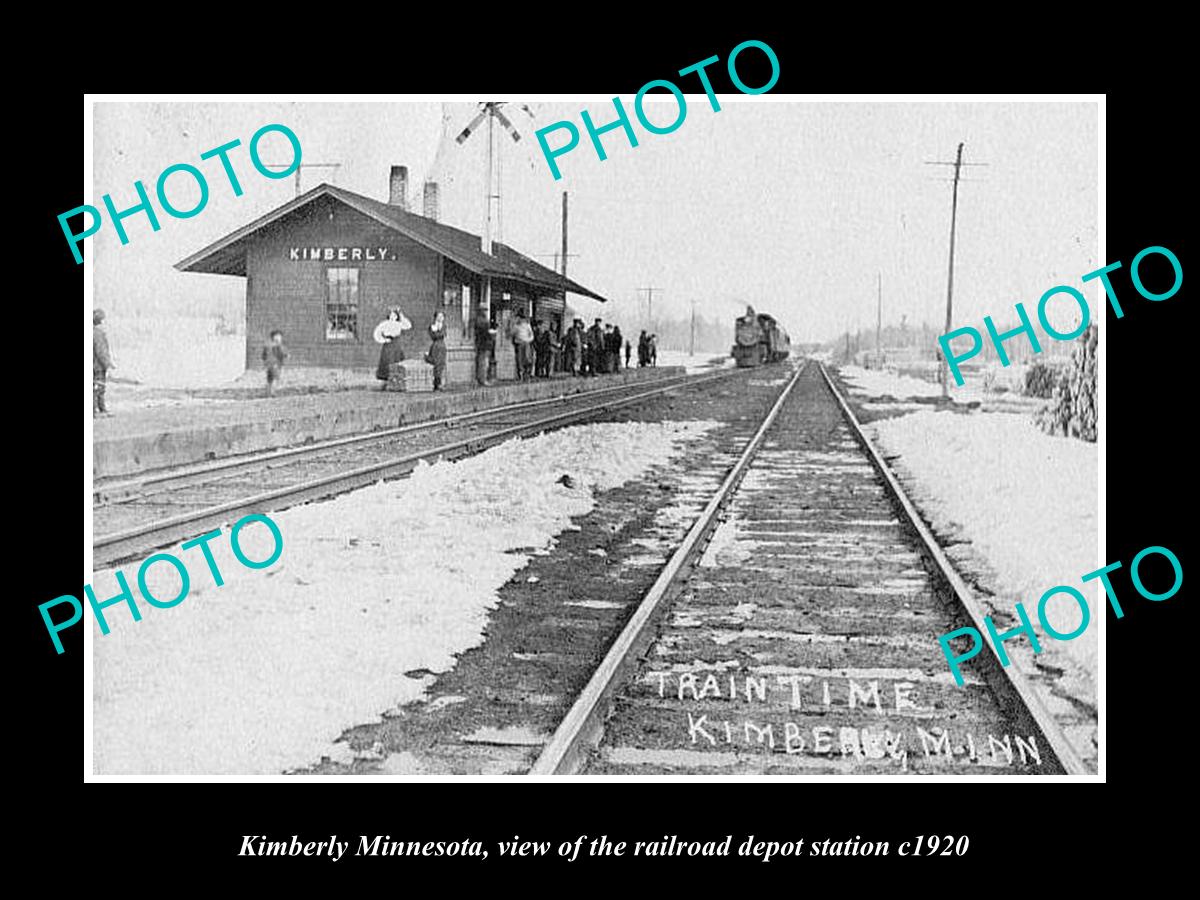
x: 491, y: 111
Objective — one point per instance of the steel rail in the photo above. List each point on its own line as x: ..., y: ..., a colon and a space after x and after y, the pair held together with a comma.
x: 1012, y: 686
x: 582, y: 727
x: 112, y: 492
x: 120, y: 545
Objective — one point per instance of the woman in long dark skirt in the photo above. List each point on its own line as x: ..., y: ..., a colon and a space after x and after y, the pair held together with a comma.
x: 391, y: 353
x: 436, y: 356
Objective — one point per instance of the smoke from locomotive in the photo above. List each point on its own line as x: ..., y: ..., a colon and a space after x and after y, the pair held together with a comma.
x: 759, y: 339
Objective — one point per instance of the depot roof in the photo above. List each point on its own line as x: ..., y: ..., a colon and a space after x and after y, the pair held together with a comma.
x: 227, y: 256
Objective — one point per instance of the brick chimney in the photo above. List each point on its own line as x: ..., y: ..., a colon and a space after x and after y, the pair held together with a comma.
x: 431, y: 200
x: 398, y: 193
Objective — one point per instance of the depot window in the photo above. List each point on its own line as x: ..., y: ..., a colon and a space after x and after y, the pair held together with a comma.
x: 341, y: 304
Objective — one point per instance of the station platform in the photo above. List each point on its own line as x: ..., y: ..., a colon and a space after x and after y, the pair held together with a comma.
x: 156, y: 437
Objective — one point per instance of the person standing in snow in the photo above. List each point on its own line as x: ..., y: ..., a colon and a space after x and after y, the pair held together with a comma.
x: 102, y: 362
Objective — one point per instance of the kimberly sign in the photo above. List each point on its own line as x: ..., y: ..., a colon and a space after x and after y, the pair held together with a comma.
x: 341, y: 254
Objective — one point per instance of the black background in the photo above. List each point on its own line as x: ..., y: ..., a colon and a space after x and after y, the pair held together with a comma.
x: 194, y: 831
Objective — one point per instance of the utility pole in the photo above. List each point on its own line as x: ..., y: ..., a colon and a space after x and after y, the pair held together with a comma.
x: 650, y: 303
x: 958, y: 164
x: 950, y: 272
x: 564, y: 237
x: 692, y: 344
x: 334, y: 166
x: 879, y: 323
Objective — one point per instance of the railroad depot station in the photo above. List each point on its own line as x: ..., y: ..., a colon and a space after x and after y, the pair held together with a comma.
x: 326, y: 267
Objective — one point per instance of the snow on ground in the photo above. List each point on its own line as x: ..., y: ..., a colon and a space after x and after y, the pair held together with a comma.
x: 175, y: 351
x: 994, y: 388
x: 1026, y: 501
x: 881, y: 383
x: 263, y: 674
x: 700, y: 362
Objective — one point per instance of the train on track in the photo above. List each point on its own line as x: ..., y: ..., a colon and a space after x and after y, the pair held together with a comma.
x: 758, y: 339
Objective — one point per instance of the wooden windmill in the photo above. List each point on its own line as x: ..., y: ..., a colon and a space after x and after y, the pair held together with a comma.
x: 491, y: 111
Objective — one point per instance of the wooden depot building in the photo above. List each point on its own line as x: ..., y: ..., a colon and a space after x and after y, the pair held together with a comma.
x: 326, y: 267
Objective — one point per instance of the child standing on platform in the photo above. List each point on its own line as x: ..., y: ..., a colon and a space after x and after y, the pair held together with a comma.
x: 274, y: 354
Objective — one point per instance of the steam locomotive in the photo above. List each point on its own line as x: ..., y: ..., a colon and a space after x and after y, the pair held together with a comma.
x: 759, y: 339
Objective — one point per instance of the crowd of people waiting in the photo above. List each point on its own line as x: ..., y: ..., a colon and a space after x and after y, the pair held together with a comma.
x: 583, y: 352
x: 597, y: 350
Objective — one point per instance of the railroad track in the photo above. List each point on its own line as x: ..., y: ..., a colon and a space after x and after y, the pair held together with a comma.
x: 128, y: 514
x: 801, y: 637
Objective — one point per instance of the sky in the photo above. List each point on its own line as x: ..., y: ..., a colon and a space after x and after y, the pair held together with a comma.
x: 796, y: 207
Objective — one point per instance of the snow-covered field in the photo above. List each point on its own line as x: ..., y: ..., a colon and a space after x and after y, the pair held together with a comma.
x: 263, y: 674
x: 882, y: 383
x: 995, y: 389
x: 1026, y: 502
x: 175, y: 351
x: 701, y: 362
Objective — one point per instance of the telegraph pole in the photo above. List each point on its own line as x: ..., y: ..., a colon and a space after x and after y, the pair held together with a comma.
x: 879, y: 322
x: 650, y: 303
x: 958, y: 164
x: 565, y: 254
x: 950, y: 272
x: 692, y: 344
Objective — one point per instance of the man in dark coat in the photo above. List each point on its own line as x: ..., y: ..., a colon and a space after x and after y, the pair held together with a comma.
x: 643, y: 350
x: 573, y: 347
x: 485, y: 344
x: 595, y: 338
x: 617, y: 343
x: 606, y: 353
x: 102, y: 361
x: 544, y: 346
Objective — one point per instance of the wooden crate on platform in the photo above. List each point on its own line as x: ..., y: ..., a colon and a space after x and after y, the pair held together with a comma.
x: 410, y: 375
